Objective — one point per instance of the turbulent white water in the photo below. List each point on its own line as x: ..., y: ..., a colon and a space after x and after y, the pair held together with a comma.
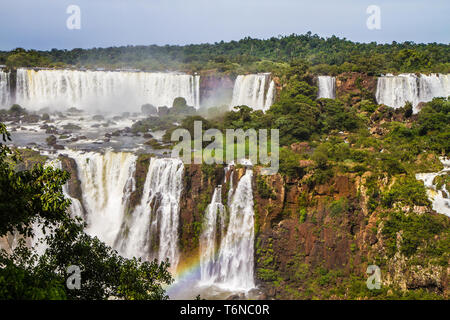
x: 327, y: 87
x: 439, y: 198
x: 153, y: 231
x: 232, y: 268
x: 107, y: 181
x: 103, y: 91
x: 395, y: 91
x: 253, y: 90
x: 5, y: 96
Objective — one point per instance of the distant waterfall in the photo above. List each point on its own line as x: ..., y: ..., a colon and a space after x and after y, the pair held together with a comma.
x: 5, y: 96
x: 439, y: 197
x: 153, y: 230
x: 395, y: 91
x: 253, y: 90
x: 327, y: 87
x: 107, y: 181
x: 232, y: 266
x: 103, y: 91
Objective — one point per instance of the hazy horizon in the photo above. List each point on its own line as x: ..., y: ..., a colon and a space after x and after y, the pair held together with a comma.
x: 106, y: 23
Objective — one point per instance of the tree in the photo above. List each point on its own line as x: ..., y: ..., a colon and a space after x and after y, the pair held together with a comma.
x: 35, y: 197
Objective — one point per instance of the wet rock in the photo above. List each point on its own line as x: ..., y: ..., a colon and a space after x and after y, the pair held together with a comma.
x: 74, y: 110
x: 31, y: 118
x: 58, y: 147
x: 51, y: 130
x: 163, y: 111
x: 71, y: 126
x: 149, y: 109
x: 51, y: 140
x: 147, y: 135
x: 98, y: 117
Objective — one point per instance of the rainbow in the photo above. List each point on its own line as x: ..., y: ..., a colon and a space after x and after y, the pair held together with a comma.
x: 187, y: 282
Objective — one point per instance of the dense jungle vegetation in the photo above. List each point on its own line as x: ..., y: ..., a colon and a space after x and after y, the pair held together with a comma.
x: 328, y: 56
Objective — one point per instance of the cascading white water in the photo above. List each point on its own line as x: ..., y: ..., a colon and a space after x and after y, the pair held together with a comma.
x: 153, y: 230
x: 107, y: 181
x: 270, y: 98
x: 214, y: 222
x: 327, y: 87
x: 395, y: 91
x: 439, y: 198
x: 233, y: 267
x: 103, y: 91
x: 250, y: 90
x: 5, y: 96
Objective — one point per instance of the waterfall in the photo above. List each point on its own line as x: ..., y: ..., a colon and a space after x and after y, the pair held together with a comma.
x: 107, y: 181
x: 214, y: 221
x: 233, y: 267
x: 270, y: 95
x: 395, y: 91
x: 250, y: 90
x: 327, y: 87
x: 104, y: 91
x: 5, y: 96
x: 153, y: 231
x: 440, y: 198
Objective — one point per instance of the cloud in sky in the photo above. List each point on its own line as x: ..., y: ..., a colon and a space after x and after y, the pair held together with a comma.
x: 42, y: 24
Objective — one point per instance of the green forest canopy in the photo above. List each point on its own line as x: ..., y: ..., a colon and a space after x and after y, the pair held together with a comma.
x: 327, y: 55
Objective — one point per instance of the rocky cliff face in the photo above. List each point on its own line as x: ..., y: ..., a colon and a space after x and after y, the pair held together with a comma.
x: 215, y: 90
x: 198, y: 187
x: 304, y: 231
x: 317, y: 242
x: 352, y: 86
x: 73, y: 185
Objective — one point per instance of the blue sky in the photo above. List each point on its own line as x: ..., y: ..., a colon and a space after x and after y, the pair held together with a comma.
x: 41, y: 24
